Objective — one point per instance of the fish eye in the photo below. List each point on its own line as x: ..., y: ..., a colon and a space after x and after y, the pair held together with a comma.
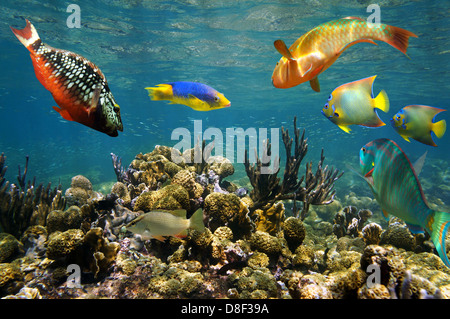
x: 325, y: 106
x: 363, y: 149
x: 216, y: 99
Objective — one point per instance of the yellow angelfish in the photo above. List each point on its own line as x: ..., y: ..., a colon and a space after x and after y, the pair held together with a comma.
x: 353, y: 104
x: 319, y: 48
x: 417, y: 122
x: 158, y: 224
x: 197, y: 96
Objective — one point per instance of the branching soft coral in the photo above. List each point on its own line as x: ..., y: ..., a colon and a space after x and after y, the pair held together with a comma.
x: 318, y: 188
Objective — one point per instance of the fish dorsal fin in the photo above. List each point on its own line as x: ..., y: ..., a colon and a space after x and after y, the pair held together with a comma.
x: 418, y: 165
x: 354, y: 18
x: 283, y: 49
x: 179, y: 213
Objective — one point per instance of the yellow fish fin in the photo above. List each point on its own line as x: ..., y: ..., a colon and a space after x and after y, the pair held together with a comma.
x: 197, y: 104
x: 381, y: 101
x: 405, y: 137
x: 161, y: 92
x: 345, y: 128
x: 196, y: 221
x: 179, y: 213
x: 283, y: 49
x: 439, y: 128
x: 315, y: 85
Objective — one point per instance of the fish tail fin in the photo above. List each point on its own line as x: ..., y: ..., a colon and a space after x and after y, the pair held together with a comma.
x: 382, y: 101
x: 28, y: 36
x: 399, y: 38
x: 161, y: 92
x: 440, y: 222
x: 196, y: 221
x: 439, y: 128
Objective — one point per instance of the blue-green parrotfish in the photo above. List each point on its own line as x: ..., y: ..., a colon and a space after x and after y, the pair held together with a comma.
x: 397, y: 189
x: 353, y: 104
x: 417, y: 122
x: 197, y: 96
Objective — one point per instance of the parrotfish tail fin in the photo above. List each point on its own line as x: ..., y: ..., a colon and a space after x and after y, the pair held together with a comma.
x: 400, y: 38
x: 161, y: 92
x: 439, y: 128
x: 382, y: 102
x: 440, y: 222
x: 196, y: 221
x: 28, y: 36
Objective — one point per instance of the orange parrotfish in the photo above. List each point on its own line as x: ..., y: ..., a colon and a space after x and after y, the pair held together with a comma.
x: 316, y: 50
x: 396, y: 187
x: 197, y: 96
x: 417, y: 122
x: 354, y: 104
x: 160, y: 223
x: 78, y: 86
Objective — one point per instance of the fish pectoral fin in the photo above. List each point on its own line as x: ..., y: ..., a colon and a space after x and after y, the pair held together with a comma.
x: 418, y: 165
x: 315, y: 85
x: 283, y: 49
x: 345, y: 128
x: 385, y: 214
x: 94, y: 100
x: 65, y: 115
x: 196, y: 102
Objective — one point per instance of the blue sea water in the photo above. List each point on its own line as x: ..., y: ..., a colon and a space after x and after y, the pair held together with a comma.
x: 228, y: 45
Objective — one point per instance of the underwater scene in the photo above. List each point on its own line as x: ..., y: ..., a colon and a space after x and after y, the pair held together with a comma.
x: 232, y: 150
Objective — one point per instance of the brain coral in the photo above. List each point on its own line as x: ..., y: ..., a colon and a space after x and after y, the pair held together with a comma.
x: 294, y: 232
x: 398, y: 236
x: 221, y: 208
x: 169, y: 197
x: 265, y: 243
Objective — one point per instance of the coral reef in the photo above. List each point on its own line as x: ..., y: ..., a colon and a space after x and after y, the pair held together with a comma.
x: 27, y: 205
x: 256, y: 244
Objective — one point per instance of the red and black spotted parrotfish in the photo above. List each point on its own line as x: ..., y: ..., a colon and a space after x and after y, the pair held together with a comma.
x: 417, y: 122
x: 318, y: 49
x: 78, y: 86
x: 197, y: 96
x: 397, y: 190
x: 354, y: 104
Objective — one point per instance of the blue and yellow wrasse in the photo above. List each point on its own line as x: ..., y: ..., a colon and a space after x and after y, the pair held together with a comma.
x: 397, y: 190
x: 318, y: 49
x: 197, y: 96
x: 417, y: 122
x: 78, y: 86
x: 353, y: 104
